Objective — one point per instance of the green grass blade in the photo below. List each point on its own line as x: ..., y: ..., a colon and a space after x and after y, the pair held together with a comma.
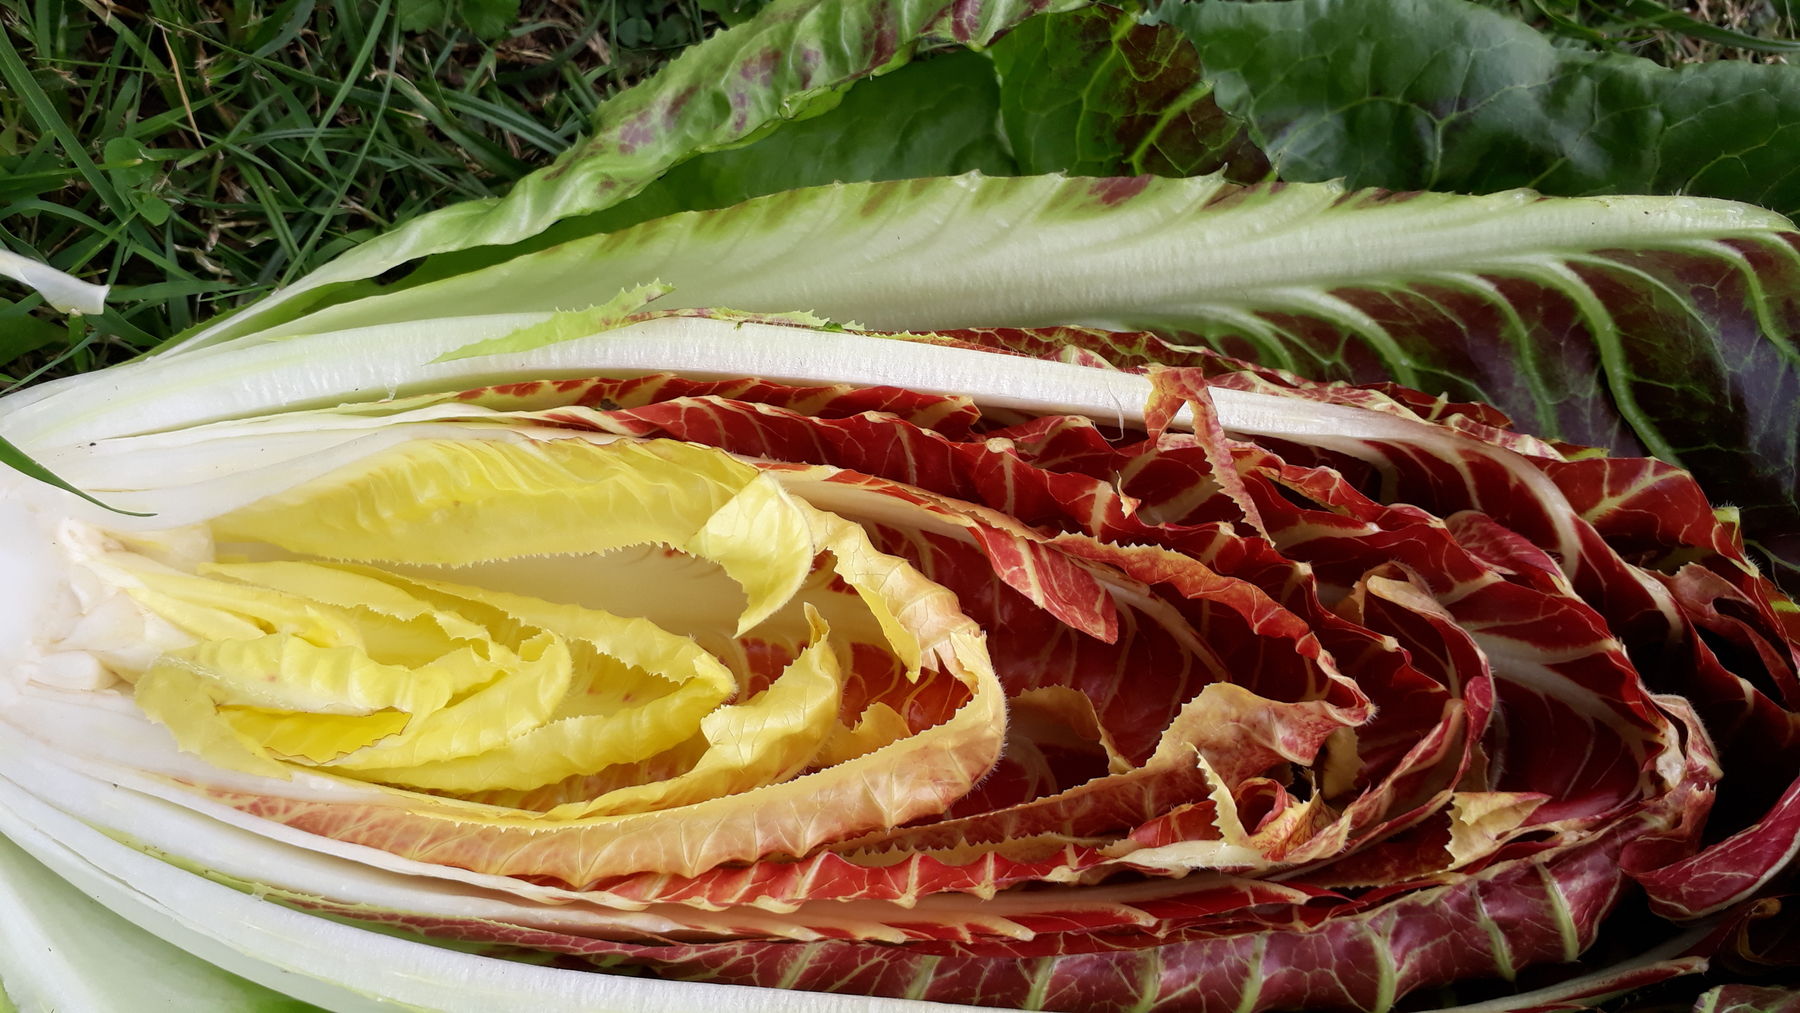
x: 21, y: 462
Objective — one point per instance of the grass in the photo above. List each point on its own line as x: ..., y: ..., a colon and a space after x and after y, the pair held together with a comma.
x: 195, y: 153
x: 1760, y: 31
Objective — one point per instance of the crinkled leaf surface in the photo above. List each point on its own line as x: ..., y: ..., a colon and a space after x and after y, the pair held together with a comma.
x: 1095, y: 93
x: 1446, y: 95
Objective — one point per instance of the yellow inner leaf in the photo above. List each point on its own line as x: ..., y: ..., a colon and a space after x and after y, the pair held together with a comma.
x: 352, y: 633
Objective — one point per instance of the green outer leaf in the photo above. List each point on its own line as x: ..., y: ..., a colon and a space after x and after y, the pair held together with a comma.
x: 1445, y: 95
x: 62, y: 950
x: 715, y: 95
x: 935, y: 117
x: 1008, y: 252
x: 1095, y: 93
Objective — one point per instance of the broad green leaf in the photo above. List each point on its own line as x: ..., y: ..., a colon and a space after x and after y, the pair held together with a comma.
x: 1095, y: 93
x: 1446, y: 95
x: 935, y: 117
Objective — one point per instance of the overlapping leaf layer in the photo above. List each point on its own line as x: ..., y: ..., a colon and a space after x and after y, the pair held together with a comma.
x: 1278, y: 708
